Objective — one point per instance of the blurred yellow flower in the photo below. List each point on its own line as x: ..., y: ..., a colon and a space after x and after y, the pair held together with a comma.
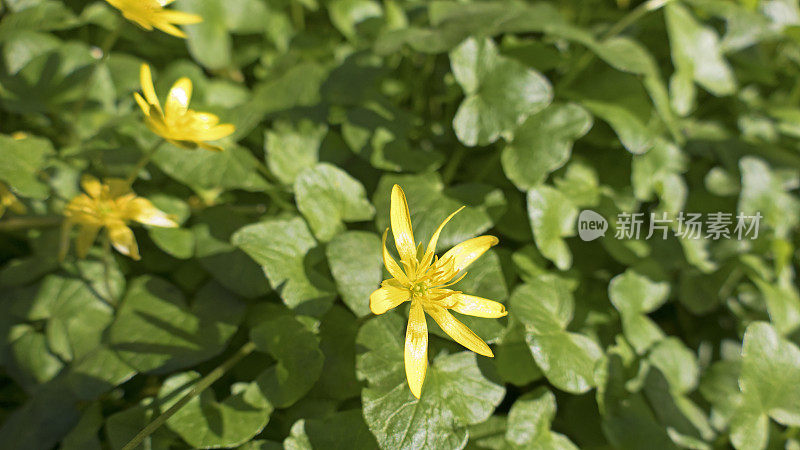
x: 424, y: 283
x: 176, y: 122
x: 110, y: 205
x: 9, y: 201
x: 151, y: 14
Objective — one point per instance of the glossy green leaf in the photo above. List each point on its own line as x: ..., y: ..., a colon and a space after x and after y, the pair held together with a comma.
x: 156, y: 331
x: 285, y: 250
x: 500, y: 92
x: 327, y: 197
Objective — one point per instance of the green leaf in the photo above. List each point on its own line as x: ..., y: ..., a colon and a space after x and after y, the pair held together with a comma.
x: 209, y: 41
x: 287, y: 252
x: 299, y: 359
x: 122, y: 426
x: 204, y: 422
x: 634, y: 295
x: 552, y: 217
x: 203, y: 170
x: 529, y: 422
x: 620, y: 100
x: 33, y: 363
x: 543, y: 143
x: 657, y: 172
x: 340, y: 431
x: 23, y: 160
x: 770, y: 368
x: 222, y: 260
x: 763, y: 191
x: 695, y: 49
x: 156, y: 331
x: 545, y: 306
x: 337, y: 333
x: 84, y: 435
x: 567, y: 359
x: 381, y: 135
x: 500, y: 92
x: 328, y: 196
x: 45, y: 417
x: 346, y: 14
x: 455, y: 393
x: 76, y: 315
x: 357, y: 267
x: 292, y: 149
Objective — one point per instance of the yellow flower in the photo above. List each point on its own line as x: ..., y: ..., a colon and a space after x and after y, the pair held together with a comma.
x: 151, y: 13
x: 110, y: 205
x: 9, y: 201
x: 424, y: 283
x: 176, y: 122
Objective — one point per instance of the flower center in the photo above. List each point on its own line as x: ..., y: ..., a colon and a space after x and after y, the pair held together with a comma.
x: 419, y: 289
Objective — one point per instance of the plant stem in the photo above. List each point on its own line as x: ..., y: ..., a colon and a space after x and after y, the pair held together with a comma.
x: 148, y: 154
x: 450, y: 169
x: 273, y: 191
x: 636, y: 14
x: 21, y: 223
x: 201, y: 385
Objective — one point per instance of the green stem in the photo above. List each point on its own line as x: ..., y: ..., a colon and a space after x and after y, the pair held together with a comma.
x: 201, y: 385
x: 22, y: 223
x: 272, y: 190
x: 636, y: 14
x: 449, y: 171
x: 142, y: 163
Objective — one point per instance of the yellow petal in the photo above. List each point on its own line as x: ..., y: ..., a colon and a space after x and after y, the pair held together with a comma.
x: 123, y: 240
x: 178, y: 98
x: 117, y: 187
x: 391, y: 265
x: 386, y: 298
x: 435, y: 239
x: 463, y: 254
x: 458, y: 331
x: 217, y: 132
x: 146, y: 79
x: 143, y: 105
x: 168, y: 28
x: 478, y: 307
x: 179, y: 17
x: 207, y: 119
x: 209, y: 147
x: 416, y: 349
x: 86, y: 236
x: 401, y: 226
x: 91, y: 186
x: 141, y: 210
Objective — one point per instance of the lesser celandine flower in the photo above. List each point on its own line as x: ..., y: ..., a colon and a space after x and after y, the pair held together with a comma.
x: 150, y: 14
x: 110, y: 205
x: 176, y: 122
x: 423, y: 280
x: 9, y: 201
